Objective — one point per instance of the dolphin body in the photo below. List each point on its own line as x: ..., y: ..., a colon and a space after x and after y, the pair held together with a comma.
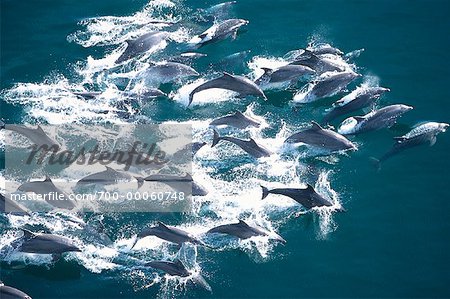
x: 219, y: 11
x: 7, y: 292
x: 168, y: 233
x: 175, y: 268
x: 238, y: 84
x: 423, y: 134
x: 287, y: 73
x: 250, y: 146
x: 36, y: 136
x: 320, y: 137
x: 7, y: 205
x: 108, y: 177
x: 324, y: 48
x: 327, y: 85
x: 320, y: 64
x: 383, y: 118
x: 237, y: 120
x: 241, y: 230
x: 178, y: 183
x: 87, y: 95
x: 188, y: 151
x: 219, y: 31
x: 357, y: 99
x: 168, y: 72
x: 147, y: 93
x: 45, y: 188
x: 46, y: 244
x: 308, y: 197
x: 142, y: 44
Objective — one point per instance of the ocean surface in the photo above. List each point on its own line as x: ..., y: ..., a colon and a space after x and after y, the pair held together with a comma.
x: 392, y: 241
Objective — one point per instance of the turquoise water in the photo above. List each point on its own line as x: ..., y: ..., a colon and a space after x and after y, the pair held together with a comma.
x: 394, y: 239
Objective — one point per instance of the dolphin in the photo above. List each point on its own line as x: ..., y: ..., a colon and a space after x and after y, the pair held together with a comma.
x: 422, y: 134
x: 250, y: 146
x: 238, y: 84
x: 237, y: 120
x: 178, y: 183
x: 8, y: 205
x: 327, y: 85
x: 168, y: 72
x: 220, y: 11
x: 361, y: 97
x: 241, y: 230
x: 142, y: 44
x: 320, y: 137
x: 236, y: 62
x: 46, y: 188
x: 108, y: 177
x: 37, y: 136
x: 175, y: 268
x: 87, y: 95
x: 324, y: 48
x: 46, y: 244
x: 383, y: 118
x: 188, y: 151
x: 287, y: 73
x: 170, y: 234
x: 219, y: 31
x: 147, y: 93
x: 308, y: 197
x: 186, y: 57
x: 320, y: 64
x: 7, y: 292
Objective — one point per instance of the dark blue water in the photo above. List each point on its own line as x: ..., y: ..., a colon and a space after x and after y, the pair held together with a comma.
x: 394, y: 239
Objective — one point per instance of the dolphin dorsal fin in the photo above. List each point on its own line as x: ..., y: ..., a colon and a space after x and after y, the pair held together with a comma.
x: 309, y: 187
x: 188, y: 177
x: 28, y: 234
x: 39, y: 128
x: 316, y: 126
x: 242, y: 222
x: 267, y: 70
x: 47, y: 179
x: 252, y: 141
x: 239, y: 113
x: 109, y: 169
x: 162, y: 224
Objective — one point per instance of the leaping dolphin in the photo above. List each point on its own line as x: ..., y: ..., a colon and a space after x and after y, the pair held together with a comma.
x: 108, y: 177
x: 423, y: 134
x: 287, y: 73
x: 323, y: 138
x: 37, y: 136
x: 219, y: 31
x: 308, y: 197
x: 250, y: 146
x: 170, y: 234
x: 142, y: 44
x: 360, y: 98
x: 178, y: 183
x: 167, y: 72
x: 46, y: 244
x: 237, y: 120
x: 175, y: 268
x: 7, y: 292
x: 382, y: 118
x: 327, y: 85
x: 52, y: 194
x: 238, y: 84
x: 242, y: 230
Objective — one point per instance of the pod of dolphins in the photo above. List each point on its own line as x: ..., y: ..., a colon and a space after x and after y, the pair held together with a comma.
x: 328, y: 72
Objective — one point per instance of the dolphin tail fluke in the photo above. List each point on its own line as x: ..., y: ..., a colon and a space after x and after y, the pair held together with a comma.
x: 376, y: 163
x: 216, y: 138
x: 265, y: 192
x: 140, y: 181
